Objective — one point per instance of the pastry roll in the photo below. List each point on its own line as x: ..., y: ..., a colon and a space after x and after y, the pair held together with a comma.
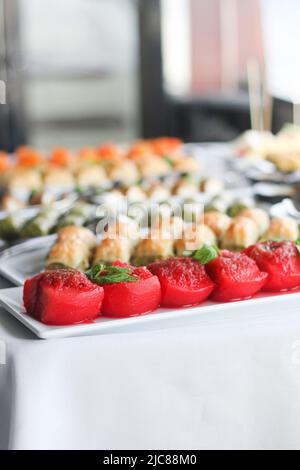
x: 111, y: 250
x: 185, y: 188
x: 78, y: 233
x: 259, y: 216
x: 217, y: 222
x: 158, y: 246
x: 151, y: 165
x: 282, y: 228
x: 42, y: 224
x: 241, y: 233
x: 193, y: 238
x: 125, y: 172
x: 59, y: 178
x: 91, y: 176
x: 22, y: 178
x: 70, y: 253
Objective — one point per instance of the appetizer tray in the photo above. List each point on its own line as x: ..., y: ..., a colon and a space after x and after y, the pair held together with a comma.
x: 208, y: 313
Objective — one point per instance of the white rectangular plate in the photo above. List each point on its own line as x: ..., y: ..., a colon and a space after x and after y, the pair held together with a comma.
x: 209, y: 312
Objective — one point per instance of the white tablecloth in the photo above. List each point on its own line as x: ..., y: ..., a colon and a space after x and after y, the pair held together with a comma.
x: 226, y: 383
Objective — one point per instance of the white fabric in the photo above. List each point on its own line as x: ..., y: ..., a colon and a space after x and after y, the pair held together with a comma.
x: 226, y: 384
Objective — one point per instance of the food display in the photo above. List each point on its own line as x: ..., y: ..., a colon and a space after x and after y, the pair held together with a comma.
x: 30, y: 170
x: 281, y: 261
x: 22, y: 224
x: 61, y: 297
x: 282, y: 150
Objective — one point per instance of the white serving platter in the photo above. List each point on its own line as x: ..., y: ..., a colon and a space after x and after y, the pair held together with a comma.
x: 208, y: 313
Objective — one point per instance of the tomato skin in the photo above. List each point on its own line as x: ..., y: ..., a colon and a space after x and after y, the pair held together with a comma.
x: 281, y: 260
x: 62, y: 297
x: 129, y: 299
x: 183, y: 281
x: 236, y: 276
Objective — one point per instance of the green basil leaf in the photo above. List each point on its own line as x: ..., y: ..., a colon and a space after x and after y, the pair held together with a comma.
x: 206, y: 254
x: 102, y: 274
x: 168, y: 160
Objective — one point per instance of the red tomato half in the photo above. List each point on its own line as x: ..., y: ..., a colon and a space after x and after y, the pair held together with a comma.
x: 281, y: 260
x: 62, y: 297
x: 237, y: 277
x: 128, y: 299
x: 183, y: 281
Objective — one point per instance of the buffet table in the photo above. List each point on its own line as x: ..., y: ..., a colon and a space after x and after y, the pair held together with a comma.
x: 231, y: 382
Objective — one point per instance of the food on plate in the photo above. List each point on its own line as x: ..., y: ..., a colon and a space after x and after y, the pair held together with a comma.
x: 158, y: 246
x: 62, y: 297
x: 185, y: 164
x: 72, y: 249
x: 259, y: 216
x: 194, y: 237
x: 80, y: 214
x: 152, y: 165
x: 111, y: 249
x: 61, y: 157
x: 77, y: 233
x: 11, y: 225
x: 236, y: 276
x: 29, y: 157
x: 212, y: 185
x: 173, y: 225
x: 125, y: 172
x: 128, y: 291
x: 135, y: 194
x: 42, y: 224
x: 158, y: 193
x: 23, y: 178
x: 242, y: 232
x: 183, y: 281
x: 253, y: 143
x: 281, y: 260
x: 59, y: 177
x: 166, y: 146
x: 186, y: 187
x: 217, y: 222
x: 91, y: 176
x: 10, y: 203
x: 282, y: 228
x: 123, y: 227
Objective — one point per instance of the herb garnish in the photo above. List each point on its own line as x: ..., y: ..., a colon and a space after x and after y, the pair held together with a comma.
x: 102, y: 274
x: 205, y: 254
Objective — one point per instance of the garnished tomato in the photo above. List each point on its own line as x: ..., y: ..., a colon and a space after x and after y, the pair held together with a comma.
x: 166, y: 145
x: 88, y: 155
x: 60, y: 157
x: 128, y: 291
x: 4, y: 161
x: 109, y: 152
x: 281, y: 260
x: 183, y: 281
x: 62, y: 297
x: 29, y: 157
x: 139, y: 149
x: 237, y: 277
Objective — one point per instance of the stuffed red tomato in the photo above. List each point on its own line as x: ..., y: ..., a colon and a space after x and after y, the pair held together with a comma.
x: 237, y: 277
x: 183, y: 281
x: 281, y: 260
x: 62, y: 297
x: 128, y: 291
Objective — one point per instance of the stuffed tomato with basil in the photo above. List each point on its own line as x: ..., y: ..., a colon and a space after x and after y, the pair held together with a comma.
x: 281, y: 260
x: 62, y: 297
x: 128, y: 291
x: 183, y: 281
x: 236, y: 276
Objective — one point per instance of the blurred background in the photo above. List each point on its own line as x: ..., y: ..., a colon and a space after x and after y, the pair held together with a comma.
x: 82, y: 72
